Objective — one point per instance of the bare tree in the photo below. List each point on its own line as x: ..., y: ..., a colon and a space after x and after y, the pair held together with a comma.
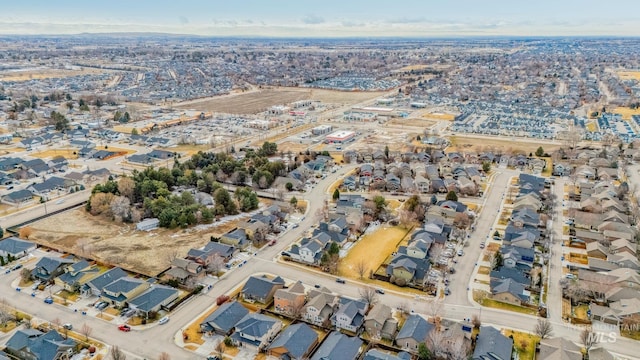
x: 25, y: 274
x: 116, y: 354
x: 544, y: 329
x: 403, y: 307
x: 6, y: 314
x: 164, y: 356
x: 216, y: 264
x: 361, y: 268
x: 435, y: 310
x: 476, y: 321
x: 220, y: 348
x: 86, y: 331
x: 170, y: 255
x: 126, y: 187
x: 406, y: 218
x: 84, y: 247
x: 458, y: 349
x: 57, y: 323
x: 588, y: 338
x: 369, y: 295
x: 297, y: 308
x: 435, y: 342
x: 121, y: 208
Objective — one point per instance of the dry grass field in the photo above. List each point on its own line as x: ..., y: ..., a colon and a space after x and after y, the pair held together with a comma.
x: 372, y: 249
x: 259, y: 101
x: 626, y: 112
x: 478, y: 144
x: 68, y: 154
x: 416, y: 122
x: 629, y: 75
x: 439, y: 116
x: 143, y: 252
x: 46, y: 74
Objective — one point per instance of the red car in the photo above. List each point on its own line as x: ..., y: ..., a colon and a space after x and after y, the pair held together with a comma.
x: 124, y: 327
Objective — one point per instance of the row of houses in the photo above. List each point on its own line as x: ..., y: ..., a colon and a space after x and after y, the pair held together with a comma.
x: 511, y: 280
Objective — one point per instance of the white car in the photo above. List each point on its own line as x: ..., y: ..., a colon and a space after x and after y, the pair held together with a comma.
x: 164, y: 320
x: 460, y: 252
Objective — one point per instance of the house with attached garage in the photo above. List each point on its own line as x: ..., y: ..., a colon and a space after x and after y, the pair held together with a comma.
x: 338, y: 346
x: 509, y: 291
x: 349, y: 314
x: 18, y: 198
x: 261, y: 289
x: 154, y: 299
x: 492, y: 344
x: 320, y: 307
x: 295, y: 342
x: 290, y: 301
x: 95, y: 285
x: 123, y: 290
x: 414, y: 332
x: 237, y: 238
x: 47, y: 268
x: 77, y: 274
x: 15, y: 247
x: 379, y: 323
x: 255, y: 331
x: 224, y: 319
x: 34, y: 344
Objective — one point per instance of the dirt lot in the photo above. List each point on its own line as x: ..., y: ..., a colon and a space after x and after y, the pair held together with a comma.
x: 66, y: 153
x: 626, y: 112
x: 377, y: 139
x: 459, y: 143
x: 258, y: 101
x: 422, y: 123
x: 628, y: 75
x: 120, y: 244
x: 46, y: 74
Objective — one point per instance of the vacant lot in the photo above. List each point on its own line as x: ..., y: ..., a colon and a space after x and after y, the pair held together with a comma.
x: 629, y: 75
x: 626, y: 112
x: 372, y: 249
x: 422, y: 123
x: 259, y: 101
x: 68, y: 154
x: 147, y: 253
x: 439, y: 116
x: 46, y: 74
x: 514, y: 145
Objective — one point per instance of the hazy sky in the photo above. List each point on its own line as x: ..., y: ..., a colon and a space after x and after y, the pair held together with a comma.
x: 318, y: 18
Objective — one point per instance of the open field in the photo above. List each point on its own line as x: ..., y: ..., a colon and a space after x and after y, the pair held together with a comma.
x: 120, y: 244
x: 626, y: 112
x: 372, y: 249
x: 68, y: 154
x: 377, y: 139
x: 629, y: 75
x: 439, y: 116
x: 478, y: 144
x: 416, y: 122
x: 46, y: 74
x: 189, y: 149
x: 259, y: 101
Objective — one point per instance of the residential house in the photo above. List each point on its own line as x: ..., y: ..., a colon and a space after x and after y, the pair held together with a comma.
x: 15, y: 247
x: 517, y: 257
x: 18, y: 198
x: 295, y: 342
x: 600, y: 353
x: 625, y: 260
x: 503, y: 273
x: 320, y: 308
x: 256, y: 331
x: 525, y: 217
x: 379, y: 323
x: 75, y: 275
x: 410, y: 270
x: 492, y: 344
x: 123, y: 290
x: 509, y: 291
x: 349, y: 315
x: 616, y: 312
x: 597, y: 250
x: 253, y: 226
x: 529, y: 201
x: 154, y: 299
x: 418, y: 247
x: 414, y: 331
x: 529, y: 183
x: 559, y: 349
x: 338, y: 346
x: 208, y: 253
x: 96, y: 285
x: 48, y: 268
x: 224, y: 319
x: 182, y: 270
x: 32, y: 344
x: 422, y: 183
x: 290, y: 301
x: 375, y: 354
x: 261, y: 289
x: 45, y: 188
x: 237, y: 238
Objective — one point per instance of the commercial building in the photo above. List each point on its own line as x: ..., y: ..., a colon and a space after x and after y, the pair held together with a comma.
x: 340, y: 137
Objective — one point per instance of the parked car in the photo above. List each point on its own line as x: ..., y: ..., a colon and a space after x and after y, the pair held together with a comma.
x: 48, y: 300
x: 340, y: 281
x: 16, y: 267
x: 317, y: 286
x: 35, y: 285
x: 164, y: 320
x: 103, y: 306
x: 380, y: 291
x: 447, y: 292
x: 124, y: 327
x: 482, y: 245
x: 460, y: 252
x: 67, y: 326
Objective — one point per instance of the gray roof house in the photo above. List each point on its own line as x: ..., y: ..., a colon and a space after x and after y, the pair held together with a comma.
x: 415, y: 331
x: 256, y: 330
x: 492, y: 345
x: 350, y: 314
x: 16, y: 247
x: 338, y: 346
x: 294, y: 343
x: 95, y: 286
x: 375, y: 354
x: 48, y: 268
x: 35, y: 345
x: 224, y: 319
x: 261, y: 289
x: 123, y: 290
x: 17, y: 198
x: 154, y: 298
